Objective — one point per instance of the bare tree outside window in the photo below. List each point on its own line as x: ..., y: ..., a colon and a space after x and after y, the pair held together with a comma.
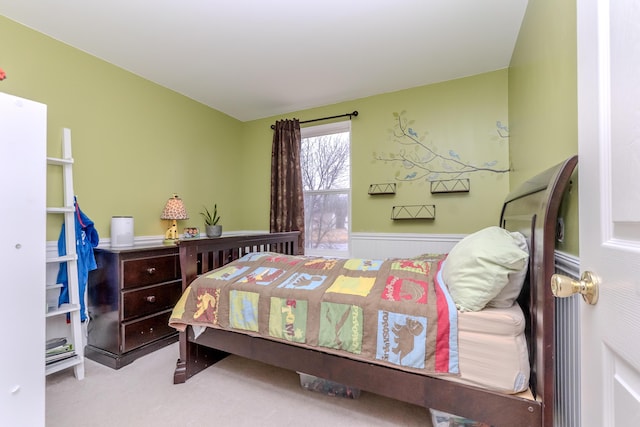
x: 325, y: 161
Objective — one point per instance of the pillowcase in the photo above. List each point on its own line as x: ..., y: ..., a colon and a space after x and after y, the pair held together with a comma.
x: 509, y: 294
x: 486, y: 268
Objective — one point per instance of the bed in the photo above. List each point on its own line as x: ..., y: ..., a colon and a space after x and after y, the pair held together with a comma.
x: 530, y: 211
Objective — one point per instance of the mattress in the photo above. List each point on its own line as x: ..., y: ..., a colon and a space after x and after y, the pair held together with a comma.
x: 493, y: 349
x: 285, y: 298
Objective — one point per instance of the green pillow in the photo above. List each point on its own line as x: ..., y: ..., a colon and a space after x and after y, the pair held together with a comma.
x: 478, y: 269
x: 509, y: 294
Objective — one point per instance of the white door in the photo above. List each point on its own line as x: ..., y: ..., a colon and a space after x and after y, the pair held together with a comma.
x: 609, y: 174
x: 23, y: 136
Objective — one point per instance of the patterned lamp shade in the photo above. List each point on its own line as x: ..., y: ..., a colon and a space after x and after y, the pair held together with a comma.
x: 174, y: 209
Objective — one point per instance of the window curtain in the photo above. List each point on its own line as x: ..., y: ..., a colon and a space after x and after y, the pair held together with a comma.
x: 287, y: 199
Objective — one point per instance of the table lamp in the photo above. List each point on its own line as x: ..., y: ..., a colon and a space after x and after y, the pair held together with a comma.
x: 173, y: 210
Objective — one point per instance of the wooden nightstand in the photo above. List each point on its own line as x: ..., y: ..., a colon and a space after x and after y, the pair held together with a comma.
x: 130, y: 298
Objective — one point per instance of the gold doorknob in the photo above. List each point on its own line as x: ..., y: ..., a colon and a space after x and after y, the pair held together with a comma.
x: 587, y: 286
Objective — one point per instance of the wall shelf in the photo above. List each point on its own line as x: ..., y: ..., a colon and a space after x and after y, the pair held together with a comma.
x: 413, y: 212
x: 384, y: 188
x: 451, y: 186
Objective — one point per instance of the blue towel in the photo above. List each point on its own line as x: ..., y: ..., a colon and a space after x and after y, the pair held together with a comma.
x: 86, y: 239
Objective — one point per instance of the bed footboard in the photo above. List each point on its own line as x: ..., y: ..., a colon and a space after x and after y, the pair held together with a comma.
x: 199, y: 256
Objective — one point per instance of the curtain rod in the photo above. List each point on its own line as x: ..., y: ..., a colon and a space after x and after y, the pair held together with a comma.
x: 354, y: 114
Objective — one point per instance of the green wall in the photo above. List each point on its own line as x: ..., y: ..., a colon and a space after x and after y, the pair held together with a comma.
x: 458, y: 115
x: 543, y: 100
x: 134, y: 142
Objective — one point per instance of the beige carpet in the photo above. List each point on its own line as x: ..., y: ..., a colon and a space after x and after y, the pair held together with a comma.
x: 234, y: 392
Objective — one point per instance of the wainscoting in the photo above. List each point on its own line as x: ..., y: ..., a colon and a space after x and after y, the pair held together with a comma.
x: 382, y: 245
x: 568, y: 348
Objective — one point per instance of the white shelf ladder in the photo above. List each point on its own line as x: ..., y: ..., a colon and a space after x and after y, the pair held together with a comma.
x: 71, y: 258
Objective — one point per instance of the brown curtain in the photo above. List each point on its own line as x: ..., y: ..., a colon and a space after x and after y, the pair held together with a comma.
x: 287, y: 200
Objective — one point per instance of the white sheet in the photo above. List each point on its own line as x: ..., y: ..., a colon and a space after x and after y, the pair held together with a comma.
x: 493, y: 349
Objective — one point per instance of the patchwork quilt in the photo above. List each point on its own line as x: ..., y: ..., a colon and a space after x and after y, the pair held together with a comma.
x: 394, y: 312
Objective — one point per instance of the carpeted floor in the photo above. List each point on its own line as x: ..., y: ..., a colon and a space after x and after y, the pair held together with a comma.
x: 234, y: 392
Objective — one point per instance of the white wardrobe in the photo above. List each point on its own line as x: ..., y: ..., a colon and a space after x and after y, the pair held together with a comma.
x: 23, y: 137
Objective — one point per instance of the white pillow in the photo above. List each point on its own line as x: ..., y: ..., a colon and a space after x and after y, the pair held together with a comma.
x: 480, y: 266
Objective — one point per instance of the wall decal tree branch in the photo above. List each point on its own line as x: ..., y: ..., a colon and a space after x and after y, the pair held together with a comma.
x: 421, y: 161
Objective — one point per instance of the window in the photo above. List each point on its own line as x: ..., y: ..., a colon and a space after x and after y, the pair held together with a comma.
x: 326, y: 180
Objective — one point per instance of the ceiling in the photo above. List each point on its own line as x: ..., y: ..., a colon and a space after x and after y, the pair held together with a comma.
x: 253, y: 59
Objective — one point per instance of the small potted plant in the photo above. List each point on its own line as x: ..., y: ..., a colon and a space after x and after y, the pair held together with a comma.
x: 211, y: 220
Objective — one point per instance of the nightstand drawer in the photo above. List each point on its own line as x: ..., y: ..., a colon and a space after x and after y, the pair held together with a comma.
x: 140, y: 332
x: 148, y: 271
x: 151, y: 299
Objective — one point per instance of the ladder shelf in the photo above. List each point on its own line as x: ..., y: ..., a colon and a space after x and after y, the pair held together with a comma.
x: 63, y: 309
x: 73, y: 361
x: 75, y: 356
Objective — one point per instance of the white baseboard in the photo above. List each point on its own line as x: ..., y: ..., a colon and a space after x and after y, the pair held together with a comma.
x: 105, y: 242
x: 363, y: 245
x: 376, y: 245
x: 401, y: 245
x: 387, y: 245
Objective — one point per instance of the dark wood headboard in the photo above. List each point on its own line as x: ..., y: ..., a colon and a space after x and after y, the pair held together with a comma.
x: 532, y: 209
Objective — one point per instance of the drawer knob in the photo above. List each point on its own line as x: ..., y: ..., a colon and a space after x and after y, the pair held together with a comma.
x: 150, y: 298
x: 151, y: 270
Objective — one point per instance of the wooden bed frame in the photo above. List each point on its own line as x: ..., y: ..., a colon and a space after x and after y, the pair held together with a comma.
x: 532, y: 209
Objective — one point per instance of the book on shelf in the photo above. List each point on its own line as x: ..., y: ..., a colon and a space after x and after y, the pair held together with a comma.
x: 58, y: 353
x: 55, y: 342
x: 65, y: 348
x: 58, y: 357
